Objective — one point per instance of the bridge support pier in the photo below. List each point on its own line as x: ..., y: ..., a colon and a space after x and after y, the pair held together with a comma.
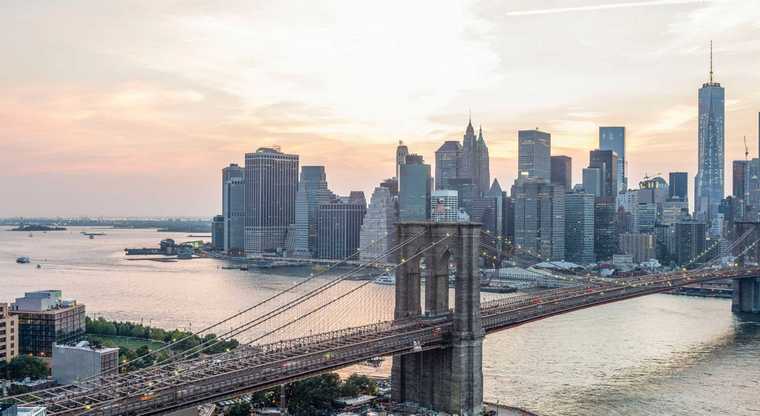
x: 746, y: 295
x: 448, y: 379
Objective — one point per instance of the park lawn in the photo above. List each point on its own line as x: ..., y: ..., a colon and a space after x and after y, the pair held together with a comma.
x: 127, y: 342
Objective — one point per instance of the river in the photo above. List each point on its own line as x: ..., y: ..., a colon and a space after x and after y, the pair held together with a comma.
x: 656, y: 355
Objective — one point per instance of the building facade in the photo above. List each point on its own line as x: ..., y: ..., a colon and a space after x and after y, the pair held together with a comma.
x: 312, y: 192
x: 414, y: 191
x: 606, y: 162
x: 708, y: 189
x: 444, y: 206
x: 339, y: 227
x: 448, y: 159
x: 690, y: 242
x: 271, y: 183
x: 539, y: 212
x: 739, y: 171
x: 605, y: 228
x: 378, y: 232
x: 464, y: 164
x: 44, y: 318
x: 217, y: 232
x: 613, y: 138
x: 233, y: 208
x: 533, y: 153
x: 592, y: 181
x: 401, y: 152
x: 8, y: 333
x: 579, y: 227
x: 74, y: 363
x: 562, y: 171
x: 678, y: 187
x: 641, y: 247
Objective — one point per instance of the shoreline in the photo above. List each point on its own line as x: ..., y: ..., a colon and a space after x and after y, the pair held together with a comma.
x: 502, y: 409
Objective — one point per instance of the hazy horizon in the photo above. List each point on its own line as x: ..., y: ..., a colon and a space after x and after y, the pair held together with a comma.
x: 133, y: 108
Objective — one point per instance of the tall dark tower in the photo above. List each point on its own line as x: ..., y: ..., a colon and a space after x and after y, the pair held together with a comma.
x: 484, y: 169
x: 710, y: 170
x: 271, y: 182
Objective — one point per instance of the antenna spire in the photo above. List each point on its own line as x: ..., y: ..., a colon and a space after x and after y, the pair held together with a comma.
x: 711, y: 63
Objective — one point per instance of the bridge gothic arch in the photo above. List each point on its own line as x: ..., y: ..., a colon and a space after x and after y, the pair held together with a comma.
x: 448, y: 379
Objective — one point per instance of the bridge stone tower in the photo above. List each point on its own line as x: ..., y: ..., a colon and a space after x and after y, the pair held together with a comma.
x: 747, y: 290
x: 449, y: 379
x: 746, y: 295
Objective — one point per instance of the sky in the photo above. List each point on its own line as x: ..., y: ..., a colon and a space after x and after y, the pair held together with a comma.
x: 133, y: 107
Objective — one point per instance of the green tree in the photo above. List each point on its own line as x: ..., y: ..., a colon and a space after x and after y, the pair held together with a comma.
x: 240, y: 408
x: 24, y: 366
x: 146, y: 360
x: 266, y: 398
x: 357, y: 384
x: 313, y: 397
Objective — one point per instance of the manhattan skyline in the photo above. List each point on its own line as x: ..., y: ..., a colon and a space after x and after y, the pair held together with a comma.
x: 131, y: 115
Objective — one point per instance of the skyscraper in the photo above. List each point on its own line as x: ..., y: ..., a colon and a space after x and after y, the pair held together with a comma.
x: 339, y: 228
x: 474, y: 162
x: 233, y: 208
x: 689, y: 241
x: 592, y: 181
x: 539, y: 210
x: 708, y: 187
x: 678, y: 188
x: 464, y: 167
x: 606, y: 162
x: 740, y: 170
x: 312, y: 191
x: 447, y: 163
x: 613, y: 138
x: 270, y: 195
x: 414, y: 191
x: 533, y: 151
x: 217, y: 232
x: 605, y: 228
x: 562, y: 171
x: 377, y: 233
x: 579, y: 227
x: 401, y: 152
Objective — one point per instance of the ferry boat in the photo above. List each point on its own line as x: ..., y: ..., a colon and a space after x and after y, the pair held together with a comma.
x: 23, y: 260
x: 386, y: 279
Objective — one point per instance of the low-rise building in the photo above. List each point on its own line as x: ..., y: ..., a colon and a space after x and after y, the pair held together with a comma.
x: 8, y: 333
x: 44, y: 318
x: 73, y: 363
x: 8, y: 409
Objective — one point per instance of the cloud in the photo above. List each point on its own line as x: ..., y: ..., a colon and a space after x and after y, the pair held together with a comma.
x: 608, y: 6
x: 672, y: 119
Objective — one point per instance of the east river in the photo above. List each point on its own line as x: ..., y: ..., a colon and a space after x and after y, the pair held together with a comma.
x: 657, y: 355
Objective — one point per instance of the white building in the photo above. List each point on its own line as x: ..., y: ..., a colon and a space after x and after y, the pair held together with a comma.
x: 9, y: 327
x: 377, y: 233
x: 72, y: 363
x: 444, y: 206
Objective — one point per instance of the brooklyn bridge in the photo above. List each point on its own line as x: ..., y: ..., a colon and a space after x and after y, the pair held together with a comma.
x: 435, y: 339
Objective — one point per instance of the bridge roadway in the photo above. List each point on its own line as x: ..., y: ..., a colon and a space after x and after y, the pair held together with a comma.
x: 178, y: 385
x: 326, y: 262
